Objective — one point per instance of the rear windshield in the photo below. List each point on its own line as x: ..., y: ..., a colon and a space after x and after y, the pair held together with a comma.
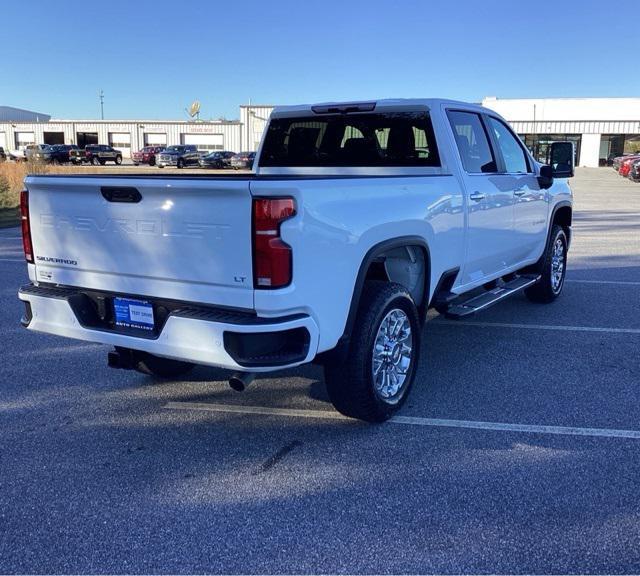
x: 392, y: 139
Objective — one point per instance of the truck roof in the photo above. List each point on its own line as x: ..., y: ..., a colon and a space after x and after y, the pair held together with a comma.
x: 383, y: 105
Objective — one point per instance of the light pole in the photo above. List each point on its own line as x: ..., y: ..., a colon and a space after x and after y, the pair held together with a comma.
x: 101, y: 96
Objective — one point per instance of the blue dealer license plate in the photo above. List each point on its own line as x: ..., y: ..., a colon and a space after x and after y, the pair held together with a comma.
x: 130, y: 313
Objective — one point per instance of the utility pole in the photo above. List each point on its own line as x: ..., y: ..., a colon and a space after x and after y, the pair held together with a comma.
x: 101, y: 96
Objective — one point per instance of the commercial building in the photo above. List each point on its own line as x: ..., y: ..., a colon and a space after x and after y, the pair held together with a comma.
x: 599, y: 127
x: 124, y: 135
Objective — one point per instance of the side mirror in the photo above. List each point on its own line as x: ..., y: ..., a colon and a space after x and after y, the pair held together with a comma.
x: 561, y: 159
x: 545, y: 177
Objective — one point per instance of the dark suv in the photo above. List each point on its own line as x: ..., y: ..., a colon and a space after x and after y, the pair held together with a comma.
x: 217, y: 159
x: 179, y: 156
x: 50, y: 154
x: 96, y: 154
x: 60, y: 152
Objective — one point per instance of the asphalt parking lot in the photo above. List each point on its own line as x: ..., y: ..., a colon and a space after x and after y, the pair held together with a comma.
x: 518, y: 451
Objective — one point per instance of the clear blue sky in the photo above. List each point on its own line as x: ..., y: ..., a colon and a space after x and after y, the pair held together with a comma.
x: 152, y: 58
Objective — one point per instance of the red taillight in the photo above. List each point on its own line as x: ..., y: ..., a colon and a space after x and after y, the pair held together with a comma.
x: 271, y: 256
x: 26, y: 226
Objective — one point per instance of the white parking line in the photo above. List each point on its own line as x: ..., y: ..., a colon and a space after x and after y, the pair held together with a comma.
x: 439, y: 322
x: 408, y: 420
x: 621, y: 282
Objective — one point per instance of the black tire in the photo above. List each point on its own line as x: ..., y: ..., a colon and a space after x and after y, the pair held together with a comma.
x: 180, y: 163
x: 152, y: 161
x: 161, y: 367
x: 95, y: 161
x: 136, y: 163
x: 550, y: 286
x: 350, y: 384
x: 118, y: 160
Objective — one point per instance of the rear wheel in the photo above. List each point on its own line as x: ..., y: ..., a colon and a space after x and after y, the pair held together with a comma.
x: 95, y: 161
x: 383, y: 355
x: 161, y: 367
x: 552, y: 268
x: 152, y: 161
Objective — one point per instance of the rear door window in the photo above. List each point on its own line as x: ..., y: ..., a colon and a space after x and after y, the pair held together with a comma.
x: 372, y: 140
x: 472, y: 142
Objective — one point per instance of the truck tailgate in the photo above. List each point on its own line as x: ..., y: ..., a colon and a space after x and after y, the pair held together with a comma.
x: 183, y: 239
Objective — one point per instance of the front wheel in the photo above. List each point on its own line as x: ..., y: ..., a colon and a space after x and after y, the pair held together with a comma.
x: 180, y: 163
x: 118, y: 160
x: 95, y: 161
x: 552, y: 268
x: 382, y: 358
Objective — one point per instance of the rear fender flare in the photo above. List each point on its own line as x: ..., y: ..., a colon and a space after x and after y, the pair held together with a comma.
x: 365, y: 265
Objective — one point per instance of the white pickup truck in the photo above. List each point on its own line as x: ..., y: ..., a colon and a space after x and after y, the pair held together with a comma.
x: 357, y: 218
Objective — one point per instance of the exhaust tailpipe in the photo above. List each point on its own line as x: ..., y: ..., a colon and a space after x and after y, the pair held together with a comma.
x: 240, y: 380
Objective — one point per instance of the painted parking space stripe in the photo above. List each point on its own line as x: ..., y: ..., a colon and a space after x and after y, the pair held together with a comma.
x: 596, y: 329
x: 407, y: 420
x: 612, y: 282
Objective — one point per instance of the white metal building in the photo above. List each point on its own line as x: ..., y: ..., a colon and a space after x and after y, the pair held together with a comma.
x: 254, y: 121
x: 600, y: 128
x: 124, y: 135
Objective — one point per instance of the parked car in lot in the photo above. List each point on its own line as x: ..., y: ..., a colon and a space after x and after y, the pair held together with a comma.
x: 625, y: 165
x: 634, y: 171
x: 618, y: 160
x: 147, y: 155
x: 180, y: 155
x: 242, y: 160
x: 38, y: 152
x: 17, y: 155
x: 96, y: 154
x: 60, y: 152
x: 358, y: 218
x: 53, y: 154
x: 217, y: 159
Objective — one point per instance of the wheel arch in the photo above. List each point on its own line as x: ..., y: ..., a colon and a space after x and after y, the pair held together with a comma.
x: 369, y: 270
x: 562, y: 215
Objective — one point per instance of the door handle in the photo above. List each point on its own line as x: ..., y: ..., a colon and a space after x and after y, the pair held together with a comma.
x: 477, y: 196
x: 121, y: 194
x: 519, y: 191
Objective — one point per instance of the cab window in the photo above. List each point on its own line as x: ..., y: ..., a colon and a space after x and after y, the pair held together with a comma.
x: 472, y: 142
x: 514, y: 157
x: 367, y: 140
